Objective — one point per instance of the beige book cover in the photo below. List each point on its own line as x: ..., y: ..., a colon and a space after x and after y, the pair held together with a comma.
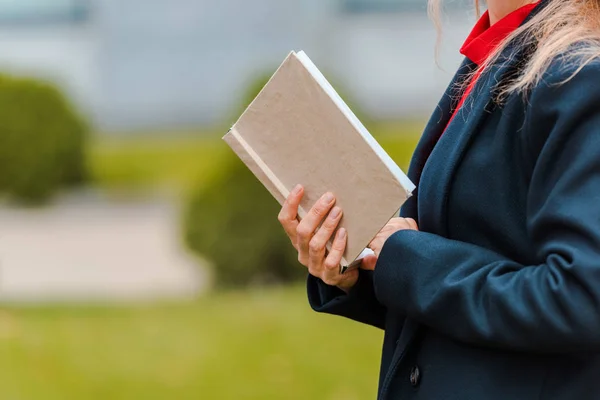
x: 298, y: 130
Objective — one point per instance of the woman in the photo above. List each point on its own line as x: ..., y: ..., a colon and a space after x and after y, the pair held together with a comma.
x: 488, y: 287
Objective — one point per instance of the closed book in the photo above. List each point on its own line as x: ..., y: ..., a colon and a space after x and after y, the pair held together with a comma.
x: 299, y: 131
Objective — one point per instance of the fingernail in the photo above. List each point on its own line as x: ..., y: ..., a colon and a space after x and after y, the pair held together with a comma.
x: 328, y: 197
x: 335, y: 212
x: 297, y: 189
x: 341, y: 233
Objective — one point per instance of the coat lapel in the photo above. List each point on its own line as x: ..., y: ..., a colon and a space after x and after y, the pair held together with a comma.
x: 439, y: 169
x: 433, y: 130
x: 441, y: 165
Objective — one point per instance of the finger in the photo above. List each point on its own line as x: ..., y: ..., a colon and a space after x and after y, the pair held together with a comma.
x: 412, y: 223
x: 368, y: 263
x: 331, y: 265
x: 318, y: 243
x: 401, y: 224
x: 377, y: 243
x: 289, y: 212
x: 306, y: 228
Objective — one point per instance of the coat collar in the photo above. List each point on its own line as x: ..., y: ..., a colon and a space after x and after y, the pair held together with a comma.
x: 484, y: 39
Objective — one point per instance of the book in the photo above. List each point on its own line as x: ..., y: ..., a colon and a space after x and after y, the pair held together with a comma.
x: 298, y: 130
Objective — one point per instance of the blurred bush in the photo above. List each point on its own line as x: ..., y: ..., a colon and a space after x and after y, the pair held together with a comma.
x: 42, y: 140
x: 232, y: 221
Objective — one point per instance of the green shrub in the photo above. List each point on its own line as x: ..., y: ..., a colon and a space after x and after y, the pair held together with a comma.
x: 42, y: 140
x: 232, y: 221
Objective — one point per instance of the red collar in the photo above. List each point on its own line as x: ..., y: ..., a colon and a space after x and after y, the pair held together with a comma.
x: 484, y: 38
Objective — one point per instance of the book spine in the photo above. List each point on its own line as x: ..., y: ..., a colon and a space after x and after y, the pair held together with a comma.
x: 264, y: 174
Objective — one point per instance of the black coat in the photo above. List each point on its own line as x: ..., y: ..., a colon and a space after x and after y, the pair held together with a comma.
x: 498, y: 295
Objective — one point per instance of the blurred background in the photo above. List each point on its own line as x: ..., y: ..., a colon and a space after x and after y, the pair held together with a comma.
x: 138, y: 257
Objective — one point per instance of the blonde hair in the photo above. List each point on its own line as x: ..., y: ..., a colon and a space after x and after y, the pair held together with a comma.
x: 551, y: 33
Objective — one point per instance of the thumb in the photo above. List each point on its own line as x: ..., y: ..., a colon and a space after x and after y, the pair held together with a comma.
x: 368, y: 263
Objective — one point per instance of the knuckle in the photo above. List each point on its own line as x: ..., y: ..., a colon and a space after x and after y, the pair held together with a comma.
x: 315, y: 246
x: 302, y: 231
x: 330, y: 265
x: 329, y: 224
x: 317, y: 211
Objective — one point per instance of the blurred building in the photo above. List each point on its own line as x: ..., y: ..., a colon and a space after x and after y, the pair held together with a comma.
x: 151, y: 64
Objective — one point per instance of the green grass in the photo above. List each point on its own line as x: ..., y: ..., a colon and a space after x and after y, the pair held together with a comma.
x: 252, y: 345
x: 181, y: 161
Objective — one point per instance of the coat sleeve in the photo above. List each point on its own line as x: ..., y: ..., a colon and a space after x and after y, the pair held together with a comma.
x: 480, y: 297
x: 360, y: 304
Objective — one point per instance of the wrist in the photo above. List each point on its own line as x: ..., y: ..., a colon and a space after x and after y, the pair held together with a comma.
x: 345, y: 289
x: 350, y: 280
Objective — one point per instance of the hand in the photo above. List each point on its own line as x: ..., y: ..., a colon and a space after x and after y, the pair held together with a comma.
x: 311, y: 244
x: 395, y: 225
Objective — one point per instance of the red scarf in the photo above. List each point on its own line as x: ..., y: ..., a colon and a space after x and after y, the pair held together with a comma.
x: 483, y: 40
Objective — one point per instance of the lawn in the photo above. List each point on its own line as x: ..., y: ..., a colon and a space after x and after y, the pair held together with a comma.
x: 240, y: 345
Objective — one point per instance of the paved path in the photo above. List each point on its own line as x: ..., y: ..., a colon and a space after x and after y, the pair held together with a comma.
x: 93, y: 250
